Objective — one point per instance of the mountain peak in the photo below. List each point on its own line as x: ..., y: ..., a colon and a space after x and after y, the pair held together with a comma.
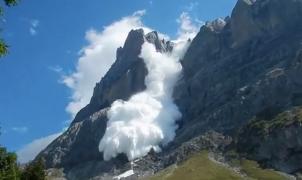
x: 161, y: 45
x: 247, y: 2
x: 217, y: 25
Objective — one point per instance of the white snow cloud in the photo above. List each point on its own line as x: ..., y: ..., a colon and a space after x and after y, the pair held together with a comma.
x: 96, y: 59
x: 31, y: 150
x: 148, y: 119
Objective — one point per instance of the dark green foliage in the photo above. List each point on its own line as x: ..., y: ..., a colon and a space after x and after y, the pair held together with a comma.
x: 3, y: 45
x: 11, y: 2
x: 3, y: 48
x: 284, y: 119
x: 9, y: 169
x: 34, y: 171
x: 8, y: 165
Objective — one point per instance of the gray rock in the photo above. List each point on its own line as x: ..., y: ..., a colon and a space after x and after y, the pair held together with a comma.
x: 264, y: 18
x: 223, y: 85
x: 78, y: 144
x: 275, y: 142
x: 250, y: 66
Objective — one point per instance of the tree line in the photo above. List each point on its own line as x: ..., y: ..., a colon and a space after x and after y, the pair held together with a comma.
x: 11, y: 170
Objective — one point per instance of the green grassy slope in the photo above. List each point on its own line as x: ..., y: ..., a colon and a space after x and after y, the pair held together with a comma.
x: 200, y: 167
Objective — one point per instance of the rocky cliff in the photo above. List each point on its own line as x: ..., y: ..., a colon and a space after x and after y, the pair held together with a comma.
x: 244, y: 66
x: 248, y: 64
x: 275, y: 142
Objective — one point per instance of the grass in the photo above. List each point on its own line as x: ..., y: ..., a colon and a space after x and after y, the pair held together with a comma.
x: 253, y: 171
x: 284, y: 119
x: 200, y: 167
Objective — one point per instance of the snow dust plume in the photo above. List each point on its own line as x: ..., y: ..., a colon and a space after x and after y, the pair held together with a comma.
x: 148, y: 119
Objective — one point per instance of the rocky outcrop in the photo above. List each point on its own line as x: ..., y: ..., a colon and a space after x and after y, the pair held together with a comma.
x: 153, y: 162
x: 264, y: 18
x: 275, y: 142
x: 127, y: 73
x: 78, y: 143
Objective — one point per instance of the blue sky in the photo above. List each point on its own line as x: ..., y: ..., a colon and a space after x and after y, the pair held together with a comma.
x: 45, y: 38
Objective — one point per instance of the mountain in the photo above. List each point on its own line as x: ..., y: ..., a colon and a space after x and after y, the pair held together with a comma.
x: 79, y: 144
x: 240, y: 90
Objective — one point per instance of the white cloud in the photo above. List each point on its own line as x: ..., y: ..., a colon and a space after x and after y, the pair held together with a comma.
x: 187, y: 28
x: 32, y: 31
x: 22, y: 129
x: 31, y: 150
x: 96, y: 59
x: 57, y: 69
x: 34, y: 23
x: 139, y: 13
x: 148, y: 119
x: 199, y: 22
x: 191, y: 6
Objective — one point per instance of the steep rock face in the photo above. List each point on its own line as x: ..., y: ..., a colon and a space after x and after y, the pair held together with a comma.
x: 270, y: 18
x: 232, y: 71
x: 127, y: 73
x: 276, y: 142
x: 79, y: 144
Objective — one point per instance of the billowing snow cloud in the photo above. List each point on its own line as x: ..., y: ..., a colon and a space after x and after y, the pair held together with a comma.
x: 148, y: 119
x: 31, y: 150
x: 97, y: 57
